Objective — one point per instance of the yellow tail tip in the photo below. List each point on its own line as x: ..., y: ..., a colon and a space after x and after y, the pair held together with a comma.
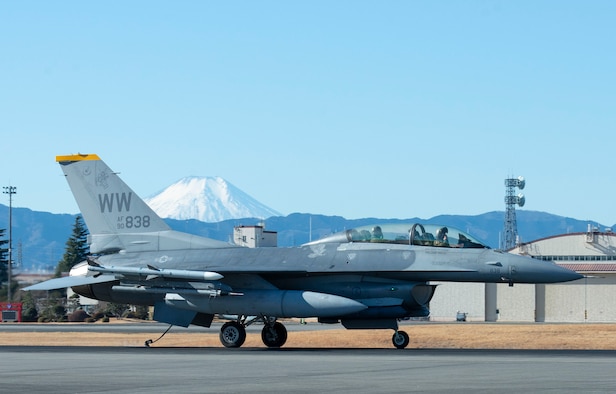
x: 77, y: 157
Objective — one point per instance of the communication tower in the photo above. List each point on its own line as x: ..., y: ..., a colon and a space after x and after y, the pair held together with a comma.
x: 511, y: 200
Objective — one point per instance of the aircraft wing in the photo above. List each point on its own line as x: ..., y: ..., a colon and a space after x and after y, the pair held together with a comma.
x: 70, y: 281
x: 110, y: 274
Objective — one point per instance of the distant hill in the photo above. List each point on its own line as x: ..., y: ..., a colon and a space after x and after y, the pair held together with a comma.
x: 39, y: 238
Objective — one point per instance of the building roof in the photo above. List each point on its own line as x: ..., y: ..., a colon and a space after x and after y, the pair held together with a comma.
x: 591, y: 252
x: 589, y: 267
x: 591, y: 243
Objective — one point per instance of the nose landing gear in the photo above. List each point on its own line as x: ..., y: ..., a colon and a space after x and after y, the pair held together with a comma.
x: 400, y: 339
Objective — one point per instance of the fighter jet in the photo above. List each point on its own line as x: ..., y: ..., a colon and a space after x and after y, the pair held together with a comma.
x: 364, y: 278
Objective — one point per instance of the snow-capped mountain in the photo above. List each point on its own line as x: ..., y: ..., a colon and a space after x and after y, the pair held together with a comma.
x: 208, y: 199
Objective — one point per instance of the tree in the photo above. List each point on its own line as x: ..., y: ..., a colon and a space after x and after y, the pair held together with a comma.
x: 77, y: 248
x: 29, y: 312
x: 53, y: 310
x: 116, y: 310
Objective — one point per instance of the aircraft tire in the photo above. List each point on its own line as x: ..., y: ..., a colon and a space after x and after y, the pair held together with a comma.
x: 275, y: 335
x: 232, y: 334
x: 400, y: 339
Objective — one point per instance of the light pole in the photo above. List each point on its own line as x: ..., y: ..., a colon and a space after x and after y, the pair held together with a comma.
x: 10, y: 190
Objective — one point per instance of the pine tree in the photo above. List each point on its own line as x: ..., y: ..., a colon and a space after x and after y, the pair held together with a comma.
x: 77, y: 248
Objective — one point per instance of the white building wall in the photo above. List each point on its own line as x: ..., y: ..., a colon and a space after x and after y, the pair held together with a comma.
x: 601, y: 301
x: 592, y: 300
x: 564, y: 303
x: 451, y: 297
x: 516, y: 303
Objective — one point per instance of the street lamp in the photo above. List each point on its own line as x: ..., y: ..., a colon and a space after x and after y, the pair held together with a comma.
x: 10, y: 190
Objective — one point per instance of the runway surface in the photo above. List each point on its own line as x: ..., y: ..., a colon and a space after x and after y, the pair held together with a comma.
x: 260, y: 370
x: 137, y: 369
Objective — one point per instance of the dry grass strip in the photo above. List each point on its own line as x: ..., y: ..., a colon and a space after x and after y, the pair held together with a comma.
x: 426, y: 335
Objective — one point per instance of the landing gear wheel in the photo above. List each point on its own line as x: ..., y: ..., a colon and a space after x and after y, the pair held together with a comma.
x: 274, y: 335
x: 232, y: 334
x: 400, y: 339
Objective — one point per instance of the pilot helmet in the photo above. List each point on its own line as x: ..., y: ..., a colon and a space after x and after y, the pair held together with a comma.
x: 441, y: 232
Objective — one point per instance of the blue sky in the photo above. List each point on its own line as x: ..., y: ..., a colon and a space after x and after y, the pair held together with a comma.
x: 392, y: 109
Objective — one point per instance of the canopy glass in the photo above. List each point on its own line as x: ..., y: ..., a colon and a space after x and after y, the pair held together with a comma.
x: 408, y: 234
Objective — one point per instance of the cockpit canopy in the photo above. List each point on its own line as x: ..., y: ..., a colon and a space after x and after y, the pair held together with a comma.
x: 406, y: 234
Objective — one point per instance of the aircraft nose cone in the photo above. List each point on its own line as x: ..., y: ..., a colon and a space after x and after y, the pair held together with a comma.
x: 565, y: 275
x: 528, y: 270
x: 549, y: 272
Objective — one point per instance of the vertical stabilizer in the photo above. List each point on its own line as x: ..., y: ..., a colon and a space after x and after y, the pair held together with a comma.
x: 109, y: 207
x: 115, y: 216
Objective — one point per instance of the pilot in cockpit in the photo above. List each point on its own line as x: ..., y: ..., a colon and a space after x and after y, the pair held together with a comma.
x: 441, y: 237
x: 365, y: 235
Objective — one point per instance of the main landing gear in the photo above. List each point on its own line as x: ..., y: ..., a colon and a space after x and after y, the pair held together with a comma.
x: 233, y: 333
x: 274, y: 334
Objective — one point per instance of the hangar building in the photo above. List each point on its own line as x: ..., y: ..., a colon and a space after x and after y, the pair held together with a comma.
x: 591, y: 299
